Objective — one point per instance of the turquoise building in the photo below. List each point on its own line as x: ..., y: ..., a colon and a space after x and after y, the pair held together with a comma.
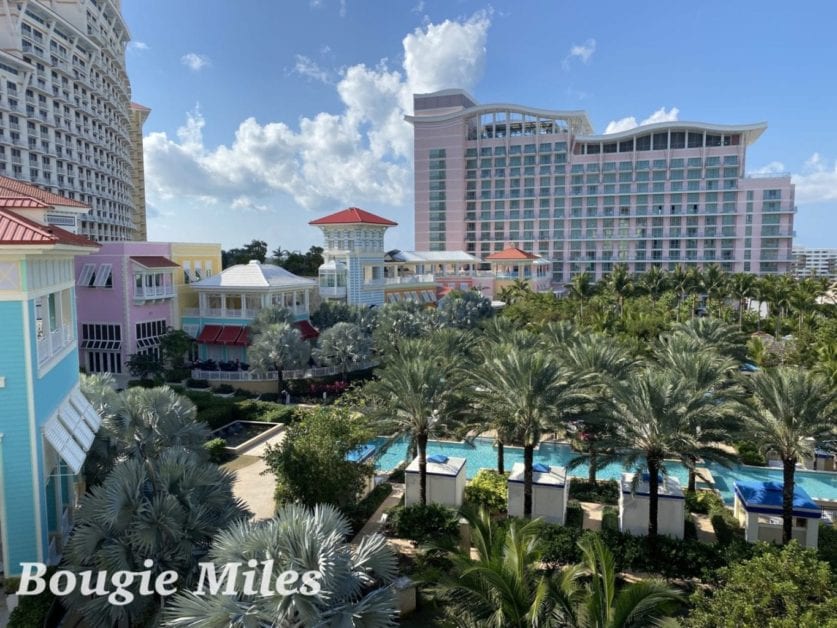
x: 46, y: 424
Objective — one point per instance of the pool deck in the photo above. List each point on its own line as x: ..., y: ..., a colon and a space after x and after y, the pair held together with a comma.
x: 253, y: 488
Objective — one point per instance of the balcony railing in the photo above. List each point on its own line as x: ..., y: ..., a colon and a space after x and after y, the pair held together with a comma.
x: 154, y: 292
x: 333, y: 292
x: 397, y: 281
x: 54, y: 341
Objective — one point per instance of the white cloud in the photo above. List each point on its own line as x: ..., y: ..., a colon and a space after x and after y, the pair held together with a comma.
x: 817, y: 183
x: 195, y: 61
x: 137, y: 46
x: 419, y: 7
x: 774, y: 167
x: 583, y: 52
x: 626, y: 124
x: 360, y: 155
x: 342, y: 8
x: 305, y: 66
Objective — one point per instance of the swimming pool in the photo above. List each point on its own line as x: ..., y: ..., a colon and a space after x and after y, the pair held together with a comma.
x: 482, y: 454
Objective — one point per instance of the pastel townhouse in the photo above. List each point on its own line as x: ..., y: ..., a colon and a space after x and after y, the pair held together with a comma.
x: 229, y: 301
x: 47, y: 426
x: 126, y: 301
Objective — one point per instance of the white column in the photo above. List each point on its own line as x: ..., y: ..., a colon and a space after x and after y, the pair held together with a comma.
x: 307, y: 302
x: 223, y: 304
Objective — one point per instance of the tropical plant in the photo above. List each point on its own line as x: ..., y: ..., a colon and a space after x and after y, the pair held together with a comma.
x: 532, y: 390
x: 420, y: 388
x: 514, y: 291
x: 654, y: 413
x: 505, y: 586
x: 268, y: 316
x: 715, y: 284
x: 354, y: 581
x: 400, y: 321
x: 343, y: 345
x: 790, y: 409
x: 653, y: 282
x: 174, y: 347
x: 145, y: 365
x: 165, y: 510
x: 741, y: 287
x: 313, y: 462
x: 714, y: 334
x: 138, y: 423
x: 620, y: 284
x: 581, y: 288
x: 462, y: 309
x: 279, y: 346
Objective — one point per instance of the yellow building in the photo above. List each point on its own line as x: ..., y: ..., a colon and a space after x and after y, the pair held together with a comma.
x: 197, y: 260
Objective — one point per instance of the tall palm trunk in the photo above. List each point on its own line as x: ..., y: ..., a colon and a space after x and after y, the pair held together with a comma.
x: 501, y: 465
x: 788, y: 470
x: 422, y: 449
x: 653, y: 497
x: 528, y: 457
x: 740, y: 314
x: 591, y: 469
x: 692, y: 485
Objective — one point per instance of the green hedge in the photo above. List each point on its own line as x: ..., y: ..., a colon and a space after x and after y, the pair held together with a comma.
x: 749, y: 453
x: 827, y: 547
x: 490, y: 490
x: 424, y: 523
x: 216, y: 448
x: 610, y: 518
x: 32, y: 610
x: 575, y: 515
x: 359, y: 513
x: 217, y: 411
x: 600, y: 492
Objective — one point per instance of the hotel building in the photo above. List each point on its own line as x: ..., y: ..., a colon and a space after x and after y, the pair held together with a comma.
x: 492, y: 176
x: 815, y: 262
x: 66, y: 123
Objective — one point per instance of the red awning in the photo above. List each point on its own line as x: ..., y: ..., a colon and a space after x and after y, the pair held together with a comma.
x: 228, y: 335
x: 307, y: 330
x: 243, y: 337
x: 208, y: 334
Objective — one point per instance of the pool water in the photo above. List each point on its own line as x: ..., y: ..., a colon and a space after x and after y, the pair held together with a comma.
x: 482, y: 454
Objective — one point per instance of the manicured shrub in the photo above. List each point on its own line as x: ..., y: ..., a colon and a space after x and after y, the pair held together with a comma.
x: 225, y: 389
x: 560, y: 544
x: 397, y: 474
x: 703, y: 502
x: 175, y: 376
x: 197, y: 383
x: 424, y: 523
x: 216, y: 416
x: 750, y: 454
x: 575, y: 515
x: 689, y: 529
x: 828, y: 546
x: 216, y: 448
x: 488, y: 489
x: 269, y: 397
x: 244, y: 394
x: 600, y: 492
x: 610, y: 518
x: 143, y: 383
x: 360, y: 513
x: 11, y: 585
x: 32, y: 610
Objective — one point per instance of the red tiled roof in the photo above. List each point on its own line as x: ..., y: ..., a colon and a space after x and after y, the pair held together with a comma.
x: 307, y: 330
x: 136, y: 105
x: 353, y: 215
x: 208, y: 334
x: 20, y: 189
x: 154, y: 261
x: 15, y: 229
x: 511, y: 253
x: 12, y: 200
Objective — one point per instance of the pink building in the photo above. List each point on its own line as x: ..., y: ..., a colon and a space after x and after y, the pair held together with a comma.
x: 667, y: 194
x: 126, y: 300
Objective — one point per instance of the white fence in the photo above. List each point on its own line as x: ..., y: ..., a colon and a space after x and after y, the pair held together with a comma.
x: 252, y: 376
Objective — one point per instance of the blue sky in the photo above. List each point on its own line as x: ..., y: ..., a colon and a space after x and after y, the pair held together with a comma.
x: 268, y: 114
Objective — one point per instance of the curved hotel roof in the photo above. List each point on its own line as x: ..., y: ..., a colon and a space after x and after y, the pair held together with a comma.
x: 751, y: 132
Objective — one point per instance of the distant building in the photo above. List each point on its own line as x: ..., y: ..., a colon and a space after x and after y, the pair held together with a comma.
x: 674, y: 193
x: 815, y: 262
x: 46, y: 426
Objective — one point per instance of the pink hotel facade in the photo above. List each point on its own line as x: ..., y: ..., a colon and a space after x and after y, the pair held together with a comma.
x: 666, y: 194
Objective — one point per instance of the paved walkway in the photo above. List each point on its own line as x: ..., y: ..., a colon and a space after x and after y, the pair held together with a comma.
x: 375, y: 524
x: 253, y: 488
x: 592, y: 515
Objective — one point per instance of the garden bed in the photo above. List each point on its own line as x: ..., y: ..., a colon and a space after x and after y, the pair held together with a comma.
x: 240, y: 436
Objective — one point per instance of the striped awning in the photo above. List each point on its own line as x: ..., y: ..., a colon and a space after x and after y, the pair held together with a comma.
x: 209, y: 333
x: 70, y: 431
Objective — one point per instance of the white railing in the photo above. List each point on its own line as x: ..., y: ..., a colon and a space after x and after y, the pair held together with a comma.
x: 54, y: 341
x: 333, y: 291
x: 191, y: 311
x: 154, y: 292
x: 251, y: 376
x: 397, y: 281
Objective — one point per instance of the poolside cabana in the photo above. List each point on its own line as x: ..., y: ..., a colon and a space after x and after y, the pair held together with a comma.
x: 634, y: 503
x: 758, y: 507
x: 549, y: 492
x: 445, y: 481
x: 363, y: 454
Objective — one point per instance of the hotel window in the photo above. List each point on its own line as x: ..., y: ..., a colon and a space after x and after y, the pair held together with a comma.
x: 695, y: 140
x: 86, y: 276
x: 643, y: 142
x: 104, y: 278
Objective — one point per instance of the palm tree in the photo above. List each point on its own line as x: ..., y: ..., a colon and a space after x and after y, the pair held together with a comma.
x: 279, y: 346
x: 697, y: 287
x: 681, y: 281
x: 654, y: 413
x: 604, y: 362
x: 790, y: 409
x: 420, y: 385
x: 138, y: 423
x: 514, y: 291
x: 167, y: 509
x: 778, y: 291
x: 741, y: 287
x: 654, y: 282
x: 355, y: 581
x: 714, y: 334
x: 504, y: 585
x: 581, y: 287
x: 532, y: 391
x: 715, y: 284
x: 620, y: 284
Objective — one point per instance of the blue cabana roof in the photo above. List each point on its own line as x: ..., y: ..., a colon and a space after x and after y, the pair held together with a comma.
x: 766, y: 498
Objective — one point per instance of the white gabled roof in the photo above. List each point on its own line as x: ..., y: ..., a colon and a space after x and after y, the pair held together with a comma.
x: 254, y: 275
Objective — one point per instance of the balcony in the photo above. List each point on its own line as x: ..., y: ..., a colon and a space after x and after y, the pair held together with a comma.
x: 153, y: 293
x: 399, y: 281
x: 333, y: 292
x: 52, y: 342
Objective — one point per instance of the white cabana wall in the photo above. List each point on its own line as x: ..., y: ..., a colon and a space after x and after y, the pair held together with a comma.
x: 758, y: 508
x: 549, y: 492
x: 445, y: 482
x: 634, y: 506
